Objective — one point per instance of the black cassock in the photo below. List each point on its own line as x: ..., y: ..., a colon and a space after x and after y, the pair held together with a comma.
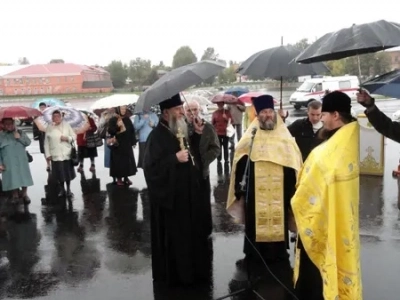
x: 122, y: 160
x: 181, y: 250
x: 273, y: 251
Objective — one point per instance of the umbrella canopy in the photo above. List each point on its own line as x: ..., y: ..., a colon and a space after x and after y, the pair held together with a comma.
x: 246, y: 98
x: 279, y: 62
x: 48, y: 102
x: 200, y: 99
x: 114, y: 101
x: 237, y: 91
x: 177, y: 81
x: 351, y: 41
x: 225, y: 98
x: 387, y: 85
x: 19, y: 112
x: 75, y: 118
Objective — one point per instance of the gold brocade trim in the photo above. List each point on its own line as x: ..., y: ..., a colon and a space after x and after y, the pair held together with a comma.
x: 269, y: 202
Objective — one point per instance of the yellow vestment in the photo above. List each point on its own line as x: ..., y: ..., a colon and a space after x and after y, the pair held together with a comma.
x: 272, y: 150
x: 326, y: 210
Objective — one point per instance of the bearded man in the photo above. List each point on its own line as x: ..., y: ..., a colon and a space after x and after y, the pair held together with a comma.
x: 179, y: 240
x: 259, y: 195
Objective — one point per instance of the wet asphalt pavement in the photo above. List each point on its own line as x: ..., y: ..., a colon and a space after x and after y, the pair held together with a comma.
x: 98, y: 245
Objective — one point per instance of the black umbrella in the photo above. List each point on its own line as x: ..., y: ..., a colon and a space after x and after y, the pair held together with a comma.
x: 279, y: 63
x: 387, y: 84
x: 355, y: 40
x: 177, y: 81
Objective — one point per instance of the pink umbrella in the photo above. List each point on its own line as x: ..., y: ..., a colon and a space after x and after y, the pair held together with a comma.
x: 246, y: 98
x: 225, y: 98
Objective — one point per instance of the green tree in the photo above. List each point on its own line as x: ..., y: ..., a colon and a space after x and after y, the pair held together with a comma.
x: 302, y: 44
x: 209, y: 54
x: 183, y: 56
x: 138, y: 70
x: 337, y: 67
x: 23, y: 61
x: 153, y: 76
x: 118, y: 73
x: 228, y: 75
x: 56, y: 61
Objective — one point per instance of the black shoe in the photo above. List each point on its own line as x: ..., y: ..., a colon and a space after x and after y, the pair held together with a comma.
x: 61, y: 194
x: 69, y: 194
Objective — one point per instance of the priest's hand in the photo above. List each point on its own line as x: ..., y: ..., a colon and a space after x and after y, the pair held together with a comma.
x: 365, y: 99
x: 183, y: 156
x: 64, y: 138
x: 17, y: 135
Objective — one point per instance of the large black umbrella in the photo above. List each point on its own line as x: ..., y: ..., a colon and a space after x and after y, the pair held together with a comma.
x: 279, y: 63
x: 177, y: 81
x: 387, y: 84
x: 351, y: 41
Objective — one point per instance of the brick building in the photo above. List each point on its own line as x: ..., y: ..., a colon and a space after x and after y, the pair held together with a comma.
x: 53, y: 79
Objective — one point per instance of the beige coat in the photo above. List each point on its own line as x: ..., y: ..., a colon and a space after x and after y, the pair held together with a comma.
x: 54, y: 147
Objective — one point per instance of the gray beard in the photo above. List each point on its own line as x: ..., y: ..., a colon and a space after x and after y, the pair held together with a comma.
x: 175, y: 124
x: 268, y: 125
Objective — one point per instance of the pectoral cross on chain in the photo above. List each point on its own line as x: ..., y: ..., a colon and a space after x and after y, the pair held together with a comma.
x: 181, y: 138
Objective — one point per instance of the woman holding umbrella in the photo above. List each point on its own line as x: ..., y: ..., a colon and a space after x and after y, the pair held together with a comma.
x: 58, y: 147
x: 122, y: 139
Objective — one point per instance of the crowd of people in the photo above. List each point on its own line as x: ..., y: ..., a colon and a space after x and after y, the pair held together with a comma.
x: 301, y: 178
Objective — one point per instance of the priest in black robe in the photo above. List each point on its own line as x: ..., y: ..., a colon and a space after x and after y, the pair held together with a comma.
x: 181, y: 250
x: 261, y: 199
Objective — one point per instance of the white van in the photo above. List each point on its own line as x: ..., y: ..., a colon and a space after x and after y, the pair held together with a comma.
x: 314, y: 89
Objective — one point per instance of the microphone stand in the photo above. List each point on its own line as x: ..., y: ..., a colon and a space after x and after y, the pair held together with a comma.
x: 243, y: 188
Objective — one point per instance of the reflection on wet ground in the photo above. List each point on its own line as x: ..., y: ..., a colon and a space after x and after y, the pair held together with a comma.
x: 97, y: 246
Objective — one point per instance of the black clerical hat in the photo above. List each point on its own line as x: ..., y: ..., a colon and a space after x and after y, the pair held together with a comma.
x: 263, y: 102
x: 174, y: 101
x: 336, y: 101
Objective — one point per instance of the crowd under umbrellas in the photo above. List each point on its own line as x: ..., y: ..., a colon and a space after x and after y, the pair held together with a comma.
x: 183, y: 78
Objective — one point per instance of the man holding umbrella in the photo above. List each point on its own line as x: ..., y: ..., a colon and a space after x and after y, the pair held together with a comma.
x: 382, y: 123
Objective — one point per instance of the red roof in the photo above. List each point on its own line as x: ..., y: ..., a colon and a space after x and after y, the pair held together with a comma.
x: 53, y: 70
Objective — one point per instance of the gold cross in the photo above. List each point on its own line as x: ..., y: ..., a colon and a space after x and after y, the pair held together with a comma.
x: 180, y: 136
x: 369, y: 150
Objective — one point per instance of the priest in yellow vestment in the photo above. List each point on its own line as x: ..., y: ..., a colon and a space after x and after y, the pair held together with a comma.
x: 325, y: 207
x: 263, y: 202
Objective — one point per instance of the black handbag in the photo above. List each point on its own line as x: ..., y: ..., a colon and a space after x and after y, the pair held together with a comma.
x: 93, y: 140
x: 74, y: 155
x: 30, y: 158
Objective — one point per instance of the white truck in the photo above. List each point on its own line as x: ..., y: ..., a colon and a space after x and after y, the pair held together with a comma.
x: 314, y: 89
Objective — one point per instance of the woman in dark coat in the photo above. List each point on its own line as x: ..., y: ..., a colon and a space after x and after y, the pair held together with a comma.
x: 83, y: 150
x: 121, y: 141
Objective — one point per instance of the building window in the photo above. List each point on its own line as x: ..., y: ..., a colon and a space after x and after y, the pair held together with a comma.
x: 16, y: 91
x: 73, y: 90
x: 344, y: 84
x: 22, y: 91
x: 1, y: 92
x: 67, y: 90
x: 35, y: 91
x: 41, y: 90
x: 72, y: 78
x: 28, y: 91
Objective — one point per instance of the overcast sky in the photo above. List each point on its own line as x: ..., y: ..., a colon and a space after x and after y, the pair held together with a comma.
x: 98, y: 31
